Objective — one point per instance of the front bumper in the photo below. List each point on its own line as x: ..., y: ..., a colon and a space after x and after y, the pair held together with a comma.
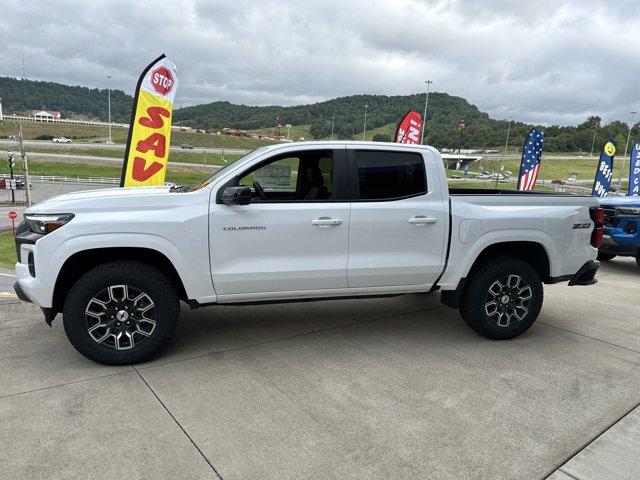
x: 611, y: 247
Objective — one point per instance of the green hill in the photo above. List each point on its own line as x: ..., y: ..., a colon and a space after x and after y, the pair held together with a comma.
x: 442, y: 131
x: 314, y: 120
x: 22, y: 96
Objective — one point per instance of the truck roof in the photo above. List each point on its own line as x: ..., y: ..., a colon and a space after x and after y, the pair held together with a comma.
x: 347, y: 143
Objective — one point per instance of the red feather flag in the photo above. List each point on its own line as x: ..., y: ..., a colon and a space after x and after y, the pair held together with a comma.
x: 408, y: 130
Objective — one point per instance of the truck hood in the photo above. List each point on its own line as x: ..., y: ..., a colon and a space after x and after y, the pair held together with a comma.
x: 620, y: 201
x: 103, y: 199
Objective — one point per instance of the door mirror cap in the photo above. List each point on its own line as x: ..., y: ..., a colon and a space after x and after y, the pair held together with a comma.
x: 236, y: 196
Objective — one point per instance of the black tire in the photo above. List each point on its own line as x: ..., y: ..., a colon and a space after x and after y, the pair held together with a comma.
x: 476, y: 298
x: 150, y: 330
x: 638, y: 259
x: 605, y: 257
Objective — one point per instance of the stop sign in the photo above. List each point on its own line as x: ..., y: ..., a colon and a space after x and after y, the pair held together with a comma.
x: 12, y: 215
x: 162, y: 80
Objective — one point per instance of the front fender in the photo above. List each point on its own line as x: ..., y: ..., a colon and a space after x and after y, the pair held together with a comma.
x: 195, y: 275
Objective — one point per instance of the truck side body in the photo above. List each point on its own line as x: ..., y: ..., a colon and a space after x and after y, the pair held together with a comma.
x: 356, y: 219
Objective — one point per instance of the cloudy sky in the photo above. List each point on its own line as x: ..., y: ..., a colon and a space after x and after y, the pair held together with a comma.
x: 543, y: 61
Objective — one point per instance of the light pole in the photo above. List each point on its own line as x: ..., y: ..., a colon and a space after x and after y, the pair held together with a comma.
x: 507, y: 142
x: 626, y: 147
x: 424, y: 117
x: 593, y: 143
x: 364, y: 129
x: 109, y: 100
x: 288, y: 125
x: 333, y: 119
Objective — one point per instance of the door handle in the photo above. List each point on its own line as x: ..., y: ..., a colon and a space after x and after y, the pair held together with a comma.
x: 420, y: 220
x: 326, y: 222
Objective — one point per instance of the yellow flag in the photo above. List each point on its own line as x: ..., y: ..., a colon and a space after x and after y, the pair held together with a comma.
x: 147, y: 151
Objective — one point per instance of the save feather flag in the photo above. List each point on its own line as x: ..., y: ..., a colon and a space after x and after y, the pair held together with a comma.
x: 531, y: 160
x: 604, y: 173
x: 147, y: 150
x: 408, y: 130
x: 634, y: 171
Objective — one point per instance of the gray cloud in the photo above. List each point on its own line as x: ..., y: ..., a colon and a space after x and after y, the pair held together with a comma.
x: 546, y: 61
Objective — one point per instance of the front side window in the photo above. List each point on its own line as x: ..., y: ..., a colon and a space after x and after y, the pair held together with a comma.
x: 389, y: 175
x: 303, y: 176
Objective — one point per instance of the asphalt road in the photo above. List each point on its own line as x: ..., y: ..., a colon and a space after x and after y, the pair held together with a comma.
x: 374, y: 389
x: 11, y: 145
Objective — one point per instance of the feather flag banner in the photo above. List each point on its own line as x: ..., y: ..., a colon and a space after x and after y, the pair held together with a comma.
x: 531, y: 160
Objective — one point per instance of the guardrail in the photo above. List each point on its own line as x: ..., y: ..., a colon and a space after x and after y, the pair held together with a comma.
x: 61, y: 179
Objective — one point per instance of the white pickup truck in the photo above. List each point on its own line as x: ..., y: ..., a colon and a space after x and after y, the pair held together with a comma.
x: 294, y: 222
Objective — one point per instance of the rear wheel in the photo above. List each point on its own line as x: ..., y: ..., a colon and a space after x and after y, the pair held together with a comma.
x: 605, y: 257
x: 503, y: 298
x: 121, y: 313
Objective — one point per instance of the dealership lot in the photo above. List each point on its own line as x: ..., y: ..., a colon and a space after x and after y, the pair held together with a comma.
x: 381, y: 388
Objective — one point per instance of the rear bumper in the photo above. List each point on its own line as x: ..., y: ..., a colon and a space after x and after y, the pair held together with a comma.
x: 586, y: 274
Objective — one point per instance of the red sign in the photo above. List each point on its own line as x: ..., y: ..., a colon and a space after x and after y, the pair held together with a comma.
x: 12, y: 215
x: 162, y: 80
x: 409, y: 128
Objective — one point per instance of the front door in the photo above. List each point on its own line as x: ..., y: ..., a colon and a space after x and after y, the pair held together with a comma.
x: 293, y: 235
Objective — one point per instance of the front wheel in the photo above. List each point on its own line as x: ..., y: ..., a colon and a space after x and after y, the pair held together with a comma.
x: 121, y: 313
x: 503, y: 298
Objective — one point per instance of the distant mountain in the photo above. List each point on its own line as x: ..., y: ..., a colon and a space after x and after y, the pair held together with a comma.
x: 22, y: 96
x: 444, y: 114
x: 383, y: 112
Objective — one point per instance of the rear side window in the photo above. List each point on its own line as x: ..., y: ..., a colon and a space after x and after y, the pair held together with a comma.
x: 389, y: 175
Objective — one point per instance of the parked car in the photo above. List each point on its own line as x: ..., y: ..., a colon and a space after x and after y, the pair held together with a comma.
x: 622, y: 228
x: 61, y: 140
x: 292, y: 222
x: 186, y: 146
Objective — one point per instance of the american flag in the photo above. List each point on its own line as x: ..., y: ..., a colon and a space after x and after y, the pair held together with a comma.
x: 531, y: 159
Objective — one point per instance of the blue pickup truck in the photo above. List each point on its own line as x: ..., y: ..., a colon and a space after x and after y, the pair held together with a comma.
x: 622, y: 228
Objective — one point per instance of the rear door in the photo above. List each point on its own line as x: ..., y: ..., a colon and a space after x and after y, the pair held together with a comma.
x: 397, y: 229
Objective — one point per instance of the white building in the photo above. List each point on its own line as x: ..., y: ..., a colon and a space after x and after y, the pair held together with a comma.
x: 45, y: 115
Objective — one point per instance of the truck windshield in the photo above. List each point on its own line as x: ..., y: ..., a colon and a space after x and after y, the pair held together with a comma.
x: 224, y: 169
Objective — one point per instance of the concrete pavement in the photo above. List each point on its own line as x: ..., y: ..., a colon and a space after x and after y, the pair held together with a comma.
x: 378, y: 388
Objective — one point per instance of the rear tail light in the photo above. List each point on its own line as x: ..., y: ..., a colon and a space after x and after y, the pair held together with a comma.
x: 597, y: 215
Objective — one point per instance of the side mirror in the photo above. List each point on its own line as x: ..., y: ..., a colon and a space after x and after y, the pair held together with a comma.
x: 236, y: 196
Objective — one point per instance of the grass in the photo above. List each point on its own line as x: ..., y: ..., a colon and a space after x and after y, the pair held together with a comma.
x: 7, y: 251
x: 182, y: 156
x: 295, y: 132
x: 65, y: 169
x: 87, y: 133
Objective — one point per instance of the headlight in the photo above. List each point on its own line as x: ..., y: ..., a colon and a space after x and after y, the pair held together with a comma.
x: 629, y: 210
x: 44, y: 224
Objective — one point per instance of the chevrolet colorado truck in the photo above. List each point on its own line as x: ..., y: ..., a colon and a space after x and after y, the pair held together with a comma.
x: 294, y: 222
x: 621, y: 229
